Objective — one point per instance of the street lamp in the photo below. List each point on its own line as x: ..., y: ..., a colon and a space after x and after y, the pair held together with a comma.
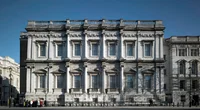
x: 10, y: 95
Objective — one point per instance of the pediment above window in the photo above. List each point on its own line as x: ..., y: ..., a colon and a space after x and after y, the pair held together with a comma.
x: 181, y: 60
x: 58, y: 71
x: 40, y: 71
x: 193, y: 60
x: 130, y: 70
x: 148, y: 71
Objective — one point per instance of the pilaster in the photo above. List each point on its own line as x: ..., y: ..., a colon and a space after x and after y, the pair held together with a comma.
x: 85, y: 43
x: 85, y: 77
x: 103, y: 43
x: 122, y: 77
x: 67, y: 77
x: 103, y: 77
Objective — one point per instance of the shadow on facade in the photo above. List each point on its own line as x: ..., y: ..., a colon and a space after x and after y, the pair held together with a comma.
x: 8, y: 90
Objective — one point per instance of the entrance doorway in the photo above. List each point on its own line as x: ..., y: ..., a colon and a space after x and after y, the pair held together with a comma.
x: 195, y: 100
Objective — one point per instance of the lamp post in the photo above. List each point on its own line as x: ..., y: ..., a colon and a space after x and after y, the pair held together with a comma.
x: 10, y: 95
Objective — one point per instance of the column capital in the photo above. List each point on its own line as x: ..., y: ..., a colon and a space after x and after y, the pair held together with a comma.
x: 103, y: 64
x: 121, y: 64
x: 85, y: 64
x: 67, y: 64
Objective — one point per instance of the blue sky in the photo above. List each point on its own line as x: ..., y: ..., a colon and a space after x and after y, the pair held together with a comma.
x: 181, y: 17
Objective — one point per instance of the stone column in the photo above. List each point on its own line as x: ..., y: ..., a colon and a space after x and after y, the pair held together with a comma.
x: 29, y: 47
x: 86, y: 46
x: 68, y: 45
x: 121, y: 44
x: 122, y: 78
x: 85, y: 78
x: 103, y: 78
x: 27, y: 79
x: 67, y: 77
x: 140, y: 81
x: 31, y: 79
x: 103, y: 43
x: 47, y: 78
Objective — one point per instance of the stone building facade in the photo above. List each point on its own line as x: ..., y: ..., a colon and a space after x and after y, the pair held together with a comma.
x: 183, y: 69
x: 9, y: 69
x: 93, y: 61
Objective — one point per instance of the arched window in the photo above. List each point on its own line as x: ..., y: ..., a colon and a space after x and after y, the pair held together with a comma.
x: 182, y: 67
x: 194, y: 67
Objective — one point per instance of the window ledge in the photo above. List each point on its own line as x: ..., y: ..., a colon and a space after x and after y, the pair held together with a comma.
x: 58, y: 90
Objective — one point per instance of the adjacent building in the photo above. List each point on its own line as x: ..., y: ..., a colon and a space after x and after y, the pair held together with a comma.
x: 9, y: 79
x: 183, y: 70
x: 106, y: 61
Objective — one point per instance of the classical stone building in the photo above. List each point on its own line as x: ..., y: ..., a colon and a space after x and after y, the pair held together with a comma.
x: 111, y: 61
x: 183, y: 76
x: 9, y: 79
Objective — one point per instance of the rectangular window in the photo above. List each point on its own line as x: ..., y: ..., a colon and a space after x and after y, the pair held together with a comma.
x: 77, y: 50
x: 94, y: 81
x: 77, y: 81
x: 112, y: 81
x: 129, y: 50
x: 165, y: 72
x: 194, y: 84
x: 182, y: 52
x: 59, y: 81
x: 129, y: 81
x: 147, y: 51
x: 165, y: 87
x: 194, y: 52
x: 59, y: 49
x: 42, y: 81
x: 94, y: 49
x: 42, y: 50
x: 182, y: 98
x: 147, y: 82
x: 112, y: 49
x: 182, y: 84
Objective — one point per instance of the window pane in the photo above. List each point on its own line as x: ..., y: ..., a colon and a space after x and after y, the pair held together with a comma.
x: 182, y: 67
x: 59, y: 50
x: 147, y: 50
x: 59, y: 81
x: 95, y: 49
x: 77, y: 50
x: 77, y: 81
x: 182, y: 84
x: 129, y: 49
x: 129, y: 81
x: 42, y: 81
x: 112, y: 49
x: 147, y: 82
x: 94, y: 81
x: 194, y: 67
x: 112, y: 81
x: 42, y: 50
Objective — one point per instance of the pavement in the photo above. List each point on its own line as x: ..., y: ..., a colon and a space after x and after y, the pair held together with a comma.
x: 103, y: 108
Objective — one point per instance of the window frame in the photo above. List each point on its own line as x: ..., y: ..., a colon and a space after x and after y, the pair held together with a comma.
x: 91, y: 80
x: 195, y: 52
x: 182, y: 52
x: 133, y: 49
x: 74, y: 80
x: 57, y: 49
x: 184, y: 85
x: 194, y: 70
x: 91, y: 48
x: 151, y: 49
x: 39, y: 80
x: 39, y: 43
x: 108, y: 48
x: 151, y: 79
x: 73, y: 48
x: 133, y: 81
x: 115, y: 80
x: 56, y: 81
